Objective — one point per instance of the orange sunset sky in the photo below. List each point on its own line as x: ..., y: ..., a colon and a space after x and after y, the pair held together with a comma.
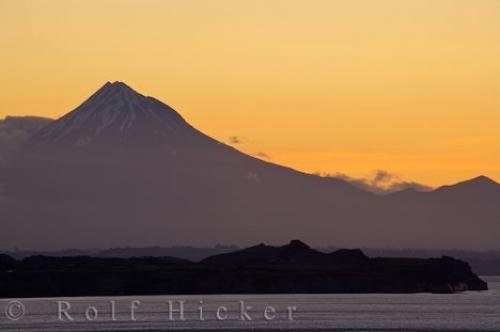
x: 411, y: 87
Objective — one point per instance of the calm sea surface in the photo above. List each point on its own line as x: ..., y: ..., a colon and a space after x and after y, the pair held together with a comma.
x: 469, y: 311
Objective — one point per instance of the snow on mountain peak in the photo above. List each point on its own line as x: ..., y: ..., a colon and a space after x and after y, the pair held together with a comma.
x: 115, y: 110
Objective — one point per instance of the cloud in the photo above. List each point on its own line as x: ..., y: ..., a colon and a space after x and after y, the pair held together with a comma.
x: 262, y: 155
x: 252, y: 176
x: 398, y: 186
x: 381, y: 182
x: 236, y: 139
x: 382, y: 176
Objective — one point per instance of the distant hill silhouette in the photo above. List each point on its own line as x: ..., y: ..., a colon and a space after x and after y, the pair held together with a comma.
x: 185, y: 252
x: 123, y: 169
x: 15, y: 130
x: 294, y: 253
x: 482, y: 262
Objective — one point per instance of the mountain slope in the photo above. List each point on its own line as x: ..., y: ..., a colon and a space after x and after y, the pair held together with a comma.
x: 123, y: 169
x: 15, y: 130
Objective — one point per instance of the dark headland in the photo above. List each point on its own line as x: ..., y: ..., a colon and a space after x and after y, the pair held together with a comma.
x: 292, y: 268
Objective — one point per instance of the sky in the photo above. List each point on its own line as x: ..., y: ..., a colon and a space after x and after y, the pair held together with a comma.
x: 353, y: 87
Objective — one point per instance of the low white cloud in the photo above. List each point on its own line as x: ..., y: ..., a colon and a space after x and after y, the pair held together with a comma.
x: 252, y: 176
x: 381, y: 182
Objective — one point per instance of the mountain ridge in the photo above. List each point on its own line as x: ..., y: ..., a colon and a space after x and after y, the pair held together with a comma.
x: 478, y: 181
x: 161, y: 181
x: 119, y: 87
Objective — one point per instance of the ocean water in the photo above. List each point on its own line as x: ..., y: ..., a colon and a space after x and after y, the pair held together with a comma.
x: 468, y: 311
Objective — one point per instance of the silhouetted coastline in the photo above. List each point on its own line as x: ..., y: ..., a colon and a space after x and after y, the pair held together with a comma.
x: 292, y: 268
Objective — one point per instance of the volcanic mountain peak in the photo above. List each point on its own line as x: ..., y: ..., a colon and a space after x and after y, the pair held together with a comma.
x: 115, y: 112
x: 117, y: 85
x: 119, y: 90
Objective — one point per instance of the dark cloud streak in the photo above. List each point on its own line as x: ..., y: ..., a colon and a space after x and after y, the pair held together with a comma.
x: 236, y: 140
x: 262, y: 155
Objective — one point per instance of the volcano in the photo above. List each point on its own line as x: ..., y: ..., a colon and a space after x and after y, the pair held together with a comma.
x: 124, y: 169
x: 115, y: 116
